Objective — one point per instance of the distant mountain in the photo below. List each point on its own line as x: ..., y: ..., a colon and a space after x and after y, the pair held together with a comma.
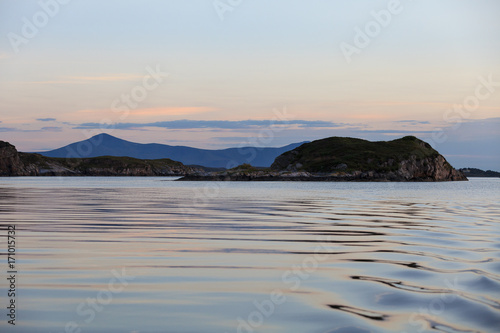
x: 330, y: 159
x: 473, y: 172
x: 108, y: 145
x: 14, y: 163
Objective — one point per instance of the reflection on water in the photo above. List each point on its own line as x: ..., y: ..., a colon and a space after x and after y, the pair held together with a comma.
x: 148, y: 255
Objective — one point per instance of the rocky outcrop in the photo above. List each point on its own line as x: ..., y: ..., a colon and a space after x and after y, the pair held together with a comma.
x: 473, y: 172
x: 147, y: 168
x: 331, y: 159
x: 428, y: 169
x: 13, y: 163
x: 10, y: 163
x: 405, y: 159
x: 348, y: 159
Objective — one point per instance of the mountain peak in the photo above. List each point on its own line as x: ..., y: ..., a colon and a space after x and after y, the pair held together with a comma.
x: 104, y: 144
x: 105, y: 136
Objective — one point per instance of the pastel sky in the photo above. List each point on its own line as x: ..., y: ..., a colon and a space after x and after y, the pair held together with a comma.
x: 216, y: 74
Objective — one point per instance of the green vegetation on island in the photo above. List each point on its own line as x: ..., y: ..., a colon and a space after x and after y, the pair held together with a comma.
x: 330, y: 159
x: 350, y: 159
x: 473, y: 172
x: 351, y: 154
x: 13, y: 163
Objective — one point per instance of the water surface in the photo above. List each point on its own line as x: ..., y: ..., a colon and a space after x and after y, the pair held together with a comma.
x: 152, y: 255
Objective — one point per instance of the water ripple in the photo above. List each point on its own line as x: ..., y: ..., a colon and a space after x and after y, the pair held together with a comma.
x: 345, y: 257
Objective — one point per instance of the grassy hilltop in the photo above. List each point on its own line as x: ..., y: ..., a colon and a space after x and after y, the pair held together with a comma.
x: 349, y: 159
x: 350, y: 154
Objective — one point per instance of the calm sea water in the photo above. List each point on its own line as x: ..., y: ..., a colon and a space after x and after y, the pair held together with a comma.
x: 153, y: 255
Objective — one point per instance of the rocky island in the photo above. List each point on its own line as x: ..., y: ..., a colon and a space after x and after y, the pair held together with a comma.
x: 330, y: 159
x: 349, y: 159
x: 14, y: 163
x: 474, y: 172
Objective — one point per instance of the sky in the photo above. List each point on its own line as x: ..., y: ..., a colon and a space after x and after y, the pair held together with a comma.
x: 227, y: 73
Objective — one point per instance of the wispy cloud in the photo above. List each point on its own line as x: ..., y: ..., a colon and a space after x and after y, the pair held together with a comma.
x: 400, y: 103
x: 231, y: 138
x: 483, y: 121
x: 43, y: 129
x: 413, y: 122
x: 7, y: 129
x: 61, y: 81
x: 88, y: 79
x: 46, y: 119
x: 218, y: 124
x: 171, y: 111
x: 113, y: 77
x: 383, y: 131
x: 52, y: 129
x: 149, y: 112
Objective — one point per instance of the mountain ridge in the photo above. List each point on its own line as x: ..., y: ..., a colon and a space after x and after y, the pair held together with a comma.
x: 14, y: 163
x: 330, y: 159
x: 107, y: 145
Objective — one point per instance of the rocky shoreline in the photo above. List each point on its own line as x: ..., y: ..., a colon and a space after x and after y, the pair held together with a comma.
x: 404, y: 160
x: 401, y: 175
x: 14, y: 163
x: 346, y: 159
